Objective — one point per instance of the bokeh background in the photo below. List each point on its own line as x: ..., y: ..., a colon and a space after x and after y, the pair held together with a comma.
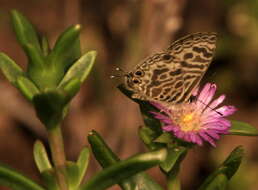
x: 123, y: 33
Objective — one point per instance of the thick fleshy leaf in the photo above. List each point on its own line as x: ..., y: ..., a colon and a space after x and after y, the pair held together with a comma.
x: 140, y: 181
x: 41, y: 157
x: 124, y: 169
x: 50, y: 107
x: 174, y: 157
x: 82, y: 164
x: 72, y: 170
x: 44, y: 45
x: 164, y: 138
x: 101, y: 151
x: 106, y: 158
x: 16, y: 181
x: 25, y: 32
x: 218, y: 183
x: 49, y: 179
x: 150, y: 121
x: 10, y: 69
x: 80, y: 69
x: 241, y: 128
x: 225, y: 171
x: 36, y: 59
x: 27, y: 87
x: 71, y: 88
x: 148, y: 136
x: 67, y: 48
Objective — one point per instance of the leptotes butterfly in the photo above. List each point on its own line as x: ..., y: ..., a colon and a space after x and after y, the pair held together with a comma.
x: 172, y: 75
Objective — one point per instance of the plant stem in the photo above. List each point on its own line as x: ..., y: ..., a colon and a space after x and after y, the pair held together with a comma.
x: 58, y: 155
x: 173, y: 179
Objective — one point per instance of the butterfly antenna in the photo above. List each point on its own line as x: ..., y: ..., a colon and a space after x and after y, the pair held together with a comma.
x: 210, y: 107
x: 115, y: 76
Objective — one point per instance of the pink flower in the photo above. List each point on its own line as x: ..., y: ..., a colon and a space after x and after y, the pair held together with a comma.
x: 197, y: 121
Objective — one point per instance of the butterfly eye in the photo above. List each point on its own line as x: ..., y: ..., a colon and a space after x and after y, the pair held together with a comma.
x: 167, y: 57
x: 139, y: 73
x: 136, y: 81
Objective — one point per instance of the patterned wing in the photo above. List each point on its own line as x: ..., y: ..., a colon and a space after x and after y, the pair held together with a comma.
x: 195, y: 52
x: 169, y: 77
x: 162, y: 80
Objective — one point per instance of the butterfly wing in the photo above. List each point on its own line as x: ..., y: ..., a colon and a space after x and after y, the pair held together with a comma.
x: 195, y: 52
x: 163, y: 78
x: 170, y: 77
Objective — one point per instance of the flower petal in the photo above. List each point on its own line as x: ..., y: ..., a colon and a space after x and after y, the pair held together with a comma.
x: 216, y: 121
x: 167, y: 128
x: 196, y: 91
x: 199, y: 140
x: 209, y: 120
x: 212, y: 134
x: 217, y: 127
x: 226, y: 110
x: 159, y: 115
x: 220, y: 112
x: 187, y: 137
x: 206, y: 99
x: 179, y: 134
x: 203, y: 95
x: 193, y: 137
x: 217, y: 101
x: 207, y: 138
x: 160, y: 107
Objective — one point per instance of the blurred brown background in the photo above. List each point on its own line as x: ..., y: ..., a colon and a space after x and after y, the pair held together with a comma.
x: 123, y: 33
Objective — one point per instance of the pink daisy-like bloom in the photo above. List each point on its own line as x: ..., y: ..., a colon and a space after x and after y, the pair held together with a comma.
x: 197, y: 121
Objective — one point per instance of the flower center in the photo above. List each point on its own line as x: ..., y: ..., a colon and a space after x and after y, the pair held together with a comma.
x: 189, y: 122
x: 186, y: 117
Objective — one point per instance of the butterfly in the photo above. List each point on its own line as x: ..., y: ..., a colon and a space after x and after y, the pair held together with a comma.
x: 171, y: 76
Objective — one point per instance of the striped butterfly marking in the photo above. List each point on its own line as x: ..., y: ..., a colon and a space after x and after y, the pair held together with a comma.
x: 171, y: 76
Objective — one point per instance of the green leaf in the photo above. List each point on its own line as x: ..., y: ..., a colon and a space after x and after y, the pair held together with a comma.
x: 76, y: 171
x: 36, y: 59
x: 241, y: 128
x: 50, y: 107
x: 122, y: 170
x: 148, y: 136
x: 25, y: 32
x: 10, y: 69
x: 140, y: 181
x: 45, y: 45
x: 13, y: 179
x: 67, y: 47
x: 82, y: 163
x: 218, y: 183
x: 72, y: 170
x: 165, y: 138
x: 41, y: 157
x: 101, y: 151
x: 46, y: 171
x: 106, y: 158
x: 27, y: 87
x: 173, y: 181
x: 49, y: 179
x: 174, y: 157
x: 150, y: 121
x: 80, y: 69
x: 71, y: 88
x: 225, y: 171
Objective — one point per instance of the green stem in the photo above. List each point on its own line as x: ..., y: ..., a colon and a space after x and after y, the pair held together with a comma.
x: 58, y: 155
x: 173, y: 179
